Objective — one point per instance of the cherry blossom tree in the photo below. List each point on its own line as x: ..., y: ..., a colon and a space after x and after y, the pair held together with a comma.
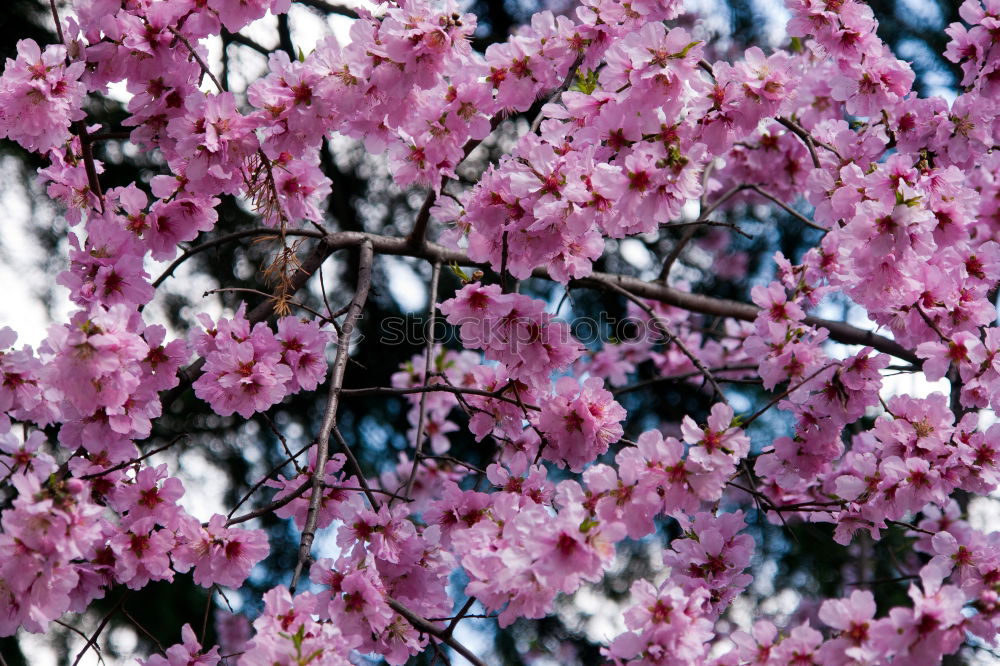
x: 634, y: 132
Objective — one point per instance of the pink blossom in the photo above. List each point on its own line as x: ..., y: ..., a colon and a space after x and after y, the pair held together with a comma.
x: 579, y: 423
x: 219, y: 555
x: 187, y: 653
x: 40, y: 96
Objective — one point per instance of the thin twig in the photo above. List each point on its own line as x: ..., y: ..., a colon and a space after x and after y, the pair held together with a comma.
x: 274, y: 470
x: 222, y: 240
x: 424, y: 626
x: 264, y: 294
x: 284, y: 442
x: 273, y: 506
x: 930, y: 322
x: 706, y: 223
x: 76, y: 631
x: 784, y: 394
x: 910, y: 526
x: 330, y: 414
x: 675, y: 252
x: 144, y: 630
x: 356, y: 466
x: 454, y: 461
x: 556, y: 94
x: 204, y: 619
x: 672, y: 338
x: 129, y: 463
x: 433, y: 388
x: 788, y: 209
x: 197, y: 58
x: 882, y: 581
x: 418, y: 444
x: 104, y: 622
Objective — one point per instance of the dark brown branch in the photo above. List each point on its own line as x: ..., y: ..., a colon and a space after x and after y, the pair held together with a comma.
x: 681, y: 377
x: 432, y: 388
x: 228, y: 238
x: 97, y: 632
x: 109, y: 136
x: 329, y: 8
x: 706, y: 223
x: 396, y: 246
x: 805, y: 137
x: 243, y: 40
x: 423, y: 626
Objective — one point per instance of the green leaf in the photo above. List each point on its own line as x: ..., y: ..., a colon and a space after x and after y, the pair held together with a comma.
x: 685, y: 50
x: 457, y: 270
x: 585, y: 82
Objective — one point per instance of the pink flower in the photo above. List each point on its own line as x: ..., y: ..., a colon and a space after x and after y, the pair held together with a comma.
x: 40, y: 96
x: 720, y: 443
x: 712, y: 557
x: 188, y: 653
x: 852, y: 618
x: 579, y: 423
x: 964, y: 350
x: 219, y: 555
x: 664, y: 624
x: 303, y: 345
x: 777, y: 312
x: 213, y: 141
x: 235, y: 14
x: 142, y: 556
x: 147, y: 503
x: 286, y: 633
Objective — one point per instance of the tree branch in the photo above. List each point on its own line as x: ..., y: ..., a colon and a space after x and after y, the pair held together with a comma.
x: 333, y: 401
x: 788, y: 209
x: 329, y: 8
x: 672, y: 338
x: 423, y: 626
x: 418, y: 443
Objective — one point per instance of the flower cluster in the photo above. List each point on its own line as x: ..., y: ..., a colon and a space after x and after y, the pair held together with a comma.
x: 636, y: 130
x: 249, y: 370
